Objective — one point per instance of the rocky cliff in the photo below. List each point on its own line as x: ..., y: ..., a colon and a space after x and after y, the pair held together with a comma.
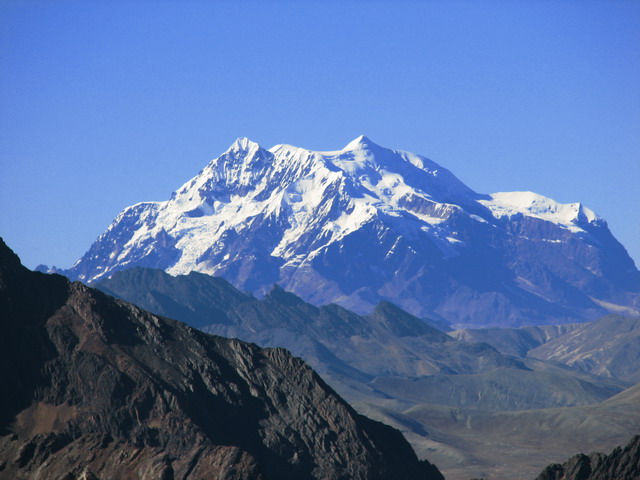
x: 92, y: 387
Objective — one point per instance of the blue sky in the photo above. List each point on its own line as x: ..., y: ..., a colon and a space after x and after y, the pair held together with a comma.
x: 105, y: 104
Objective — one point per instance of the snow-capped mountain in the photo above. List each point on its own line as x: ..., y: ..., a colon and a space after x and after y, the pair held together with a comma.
x: 367, y: 223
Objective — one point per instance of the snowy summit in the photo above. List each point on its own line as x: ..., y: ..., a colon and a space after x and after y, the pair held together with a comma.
x: 362, y: 224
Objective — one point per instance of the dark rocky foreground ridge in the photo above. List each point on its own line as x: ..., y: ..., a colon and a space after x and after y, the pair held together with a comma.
x: 621, y: 464
x: 92, y: 387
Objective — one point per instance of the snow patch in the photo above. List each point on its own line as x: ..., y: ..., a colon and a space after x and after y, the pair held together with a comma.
x: 508, y: 204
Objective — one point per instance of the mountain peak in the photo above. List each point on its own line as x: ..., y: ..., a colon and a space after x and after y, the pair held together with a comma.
x: 243, y: 144
x: 361, y: 142
x: 539, y: 206
x: 7, y: 257
x: 280, y: 295
x: 404, y: 324
x: 211, y: 400
x: 346, y: 225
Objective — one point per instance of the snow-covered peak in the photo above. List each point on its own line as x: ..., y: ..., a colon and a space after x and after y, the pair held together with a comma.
x: 359, y: 143
x: 366, y: 223
x: 247, y: 178
x: 535, y: 205
x: 386, y: 172
x: 243, y: 144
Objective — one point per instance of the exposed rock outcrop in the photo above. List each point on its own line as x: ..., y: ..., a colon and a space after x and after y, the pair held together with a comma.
x: 621, y: 464
x: 92, y: 387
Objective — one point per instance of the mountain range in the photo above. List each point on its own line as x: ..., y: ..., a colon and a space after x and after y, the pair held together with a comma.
x: 457, y: 401
x: 516, y: 445
x: 96, y: 388
x: 389, y: 353
x: 358, y: 260
x: 366, y: 224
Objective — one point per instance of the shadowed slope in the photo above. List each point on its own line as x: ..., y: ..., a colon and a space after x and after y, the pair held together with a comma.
x: 97, y: 387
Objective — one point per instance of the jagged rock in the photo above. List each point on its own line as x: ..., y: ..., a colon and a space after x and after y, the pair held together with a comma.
x: 621, y: 464
x: 95, y: 388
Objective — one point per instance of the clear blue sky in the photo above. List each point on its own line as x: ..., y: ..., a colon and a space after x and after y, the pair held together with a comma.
x: 105, y: 104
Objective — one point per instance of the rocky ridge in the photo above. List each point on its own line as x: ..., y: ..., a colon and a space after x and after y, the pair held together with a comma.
x: 93, y: 387
x: 621, y: 464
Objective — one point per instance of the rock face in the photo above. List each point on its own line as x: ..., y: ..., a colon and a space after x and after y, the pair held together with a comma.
x: 96, y: 388
x: 365, y: 224
x: 621, y: 464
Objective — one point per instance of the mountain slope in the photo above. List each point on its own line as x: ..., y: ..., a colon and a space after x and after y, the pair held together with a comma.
x: 91, y: 387
x: 388, y: 354
x: 389, y: 341
x: 609, y: 346
x: 365, y: 224
x: 507, y: 389
x: 517, y: 445
x: 390, y: 363
x: 514, y: 341
x: 621, y: 464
